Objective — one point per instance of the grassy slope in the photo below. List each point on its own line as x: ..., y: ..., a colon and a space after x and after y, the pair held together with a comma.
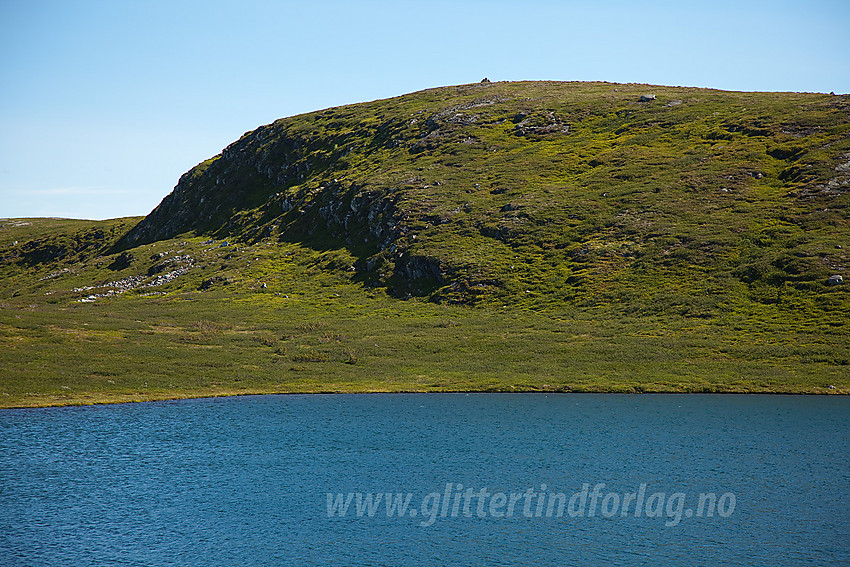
x: 664, y: 246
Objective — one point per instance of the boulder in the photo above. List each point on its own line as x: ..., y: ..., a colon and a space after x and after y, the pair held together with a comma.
x: 647, y: 97
x: 835, y: 280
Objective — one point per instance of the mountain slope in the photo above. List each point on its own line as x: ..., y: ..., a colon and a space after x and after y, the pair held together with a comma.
x: 557, y: 189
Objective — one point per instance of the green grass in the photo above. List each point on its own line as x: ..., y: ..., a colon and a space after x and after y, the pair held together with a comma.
x: 314, y: 330
x: 460, y: 239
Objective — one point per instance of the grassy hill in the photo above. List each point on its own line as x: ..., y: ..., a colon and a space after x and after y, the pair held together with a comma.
x: 495, y: 236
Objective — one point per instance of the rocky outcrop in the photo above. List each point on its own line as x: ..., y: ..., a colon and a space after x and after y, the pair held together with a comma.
x: 539, y: 123
x: 267, y: 170
x: 416, y: 267
x: 122, y: 261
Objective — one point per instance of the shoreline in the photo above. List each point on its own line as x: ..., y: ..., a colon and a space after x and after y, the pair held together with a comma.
x: 135, y: 399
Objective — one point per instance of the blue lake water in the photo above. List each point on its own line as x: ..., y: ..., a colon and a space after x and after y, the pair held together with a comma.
x: 248, y: 481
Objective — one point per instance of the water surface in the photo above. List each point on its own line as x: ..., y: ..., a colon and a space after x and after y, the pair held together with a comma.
x: 245, y: 481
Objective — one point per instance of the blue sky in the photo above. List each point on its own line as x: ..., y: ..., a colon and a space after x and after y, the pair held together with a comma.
x: 104, y: 104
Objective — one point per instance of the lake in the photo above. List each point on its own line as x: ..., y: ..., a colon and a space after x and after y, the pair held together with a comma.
x: 429, y: 479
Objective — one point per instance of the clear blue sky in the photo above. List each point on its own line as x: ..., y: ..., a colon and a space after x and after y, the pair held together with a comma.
x: 104, y: 104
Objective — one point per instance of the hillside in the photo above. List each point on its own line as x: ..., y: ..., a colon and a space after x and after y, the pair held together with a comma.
x: 658, y: 238
x: 552, y: 187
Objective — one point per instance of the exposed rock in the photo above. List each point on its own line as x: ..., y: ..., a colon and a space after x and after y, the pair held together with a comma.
x: 166, y: 278
x: 157, y: 268
x: 540, y: 123
x: 420, y: 268
x: 122, y: 261
x: 835, y: 280
x: 55, y: 274
x: 647, y: 97
x: 162, y: 266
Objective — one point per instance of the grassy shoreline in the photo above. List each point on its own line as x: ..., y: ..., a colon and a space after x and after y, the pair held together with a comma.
x: 208, y: 344
x: 129, y: 399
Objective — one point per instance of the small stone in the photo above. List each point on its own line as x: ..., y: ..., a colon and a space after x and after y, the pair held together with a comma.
x: 835, y: 280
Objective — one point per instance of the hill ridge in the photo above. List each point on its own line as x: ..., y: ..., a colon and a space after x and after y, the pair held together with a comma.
x: 376, y: 176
